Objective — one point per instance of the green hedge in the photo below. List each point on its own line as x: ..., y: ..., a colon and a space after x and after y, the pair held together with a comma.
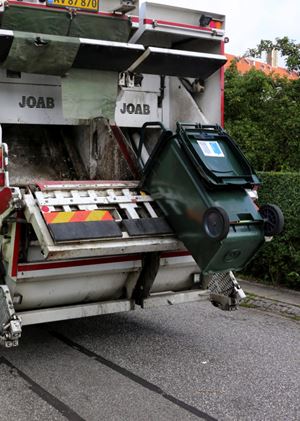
x: 278, y: 263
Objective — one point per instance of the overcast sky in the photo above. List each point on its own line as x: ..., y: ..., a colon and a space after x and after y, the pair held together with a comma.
x: 247, y: 22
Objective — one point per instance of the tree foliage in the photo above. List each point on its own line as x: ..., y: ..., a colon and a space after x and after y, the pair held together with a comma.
x: 262, y: 113
x: 288, y: 49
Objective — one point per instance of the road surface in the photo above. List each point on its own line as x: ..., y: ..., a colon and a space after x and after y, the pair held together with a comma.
x: 186, y: 362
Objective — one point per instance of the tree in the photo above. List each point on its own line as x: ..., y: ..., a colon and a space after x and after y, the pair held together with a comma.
x: 262, y: 113
x: 288, y: 49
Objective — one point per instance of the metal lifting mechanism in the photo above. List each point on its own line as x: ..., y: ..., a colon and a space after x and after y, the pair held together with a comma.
x: 107, y: 202
x: 10, y: 326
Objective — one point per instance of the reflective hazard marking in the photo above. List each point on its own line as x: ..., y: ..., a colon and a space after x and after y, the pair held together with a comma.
x: 211, y: 149
x: 77, y: 216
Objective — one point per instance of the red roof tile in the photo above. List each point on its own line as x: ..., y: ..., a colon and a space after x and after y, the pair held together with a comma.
x: 245, y: 64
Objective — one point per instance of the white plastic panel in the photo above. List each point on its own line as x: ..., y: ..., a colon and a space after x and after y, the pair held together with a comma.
x: 163, y: 25
x: 135, y: 108
x: 31, y: 99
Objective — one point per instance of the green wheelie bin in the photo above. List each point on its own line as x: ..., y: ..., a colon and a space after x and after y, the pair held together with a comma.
x: 199, y: 178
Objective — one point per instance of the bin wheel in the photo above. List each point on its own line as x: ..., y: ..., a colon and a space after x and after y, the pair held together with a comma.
x: 274, y: 219
x: 216, y: 223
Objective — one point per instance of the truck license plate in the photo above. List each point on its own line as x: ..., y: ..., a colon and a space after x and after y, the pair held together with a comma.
x: 90, y: 5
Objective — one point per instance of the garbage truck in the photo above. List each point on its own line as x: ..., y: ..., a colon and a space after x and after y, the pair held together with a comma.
x: 119, y: 188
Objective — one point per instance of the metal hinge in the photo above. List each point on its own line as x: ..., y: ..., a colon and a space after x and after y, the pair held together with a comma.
x: 126, y: 6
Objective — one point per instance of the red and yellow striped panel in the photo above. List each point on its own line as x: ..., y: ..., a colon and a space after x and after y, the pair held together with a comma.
x: 77, y: 216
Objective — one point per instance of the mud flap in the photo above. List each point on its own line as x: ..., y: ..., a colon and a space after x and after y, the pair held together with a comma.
x: 75, y: 231
x: 147, y: 226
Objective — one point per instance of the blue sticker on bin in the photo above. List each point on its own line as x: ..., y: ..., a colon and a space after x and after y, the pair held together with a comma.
x: 211, y: 149
x: 216, y: 148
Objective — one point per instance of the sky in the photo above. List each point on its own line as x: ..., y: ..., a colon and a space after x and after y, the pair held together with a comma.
x: 247, y: 22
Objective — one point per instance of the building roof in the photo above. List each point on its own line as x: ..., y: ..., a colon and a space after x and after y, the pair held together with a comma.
x: 245, y: 64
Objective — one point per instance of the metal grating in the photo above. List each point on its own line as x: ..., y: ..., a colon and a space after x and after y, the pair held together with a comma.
x: 108, y: 199
x: 221, y: 283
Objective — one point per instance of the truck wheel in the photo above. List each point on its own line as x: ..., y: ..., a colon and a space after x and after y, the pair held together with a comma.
x: 216, y: 223
x: 274, y: 219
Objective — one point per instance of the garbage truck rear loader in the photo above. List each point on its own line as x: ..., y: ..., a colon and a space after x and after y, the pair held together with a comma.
x: 118, y: 187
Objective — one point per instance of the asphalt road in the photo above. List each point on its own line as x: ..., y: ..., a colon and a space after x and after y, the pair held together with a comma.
x: 185, y: 362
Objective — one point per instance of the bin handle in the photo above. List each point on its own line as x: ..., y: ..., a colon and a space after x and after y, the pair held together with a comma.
x: 142, y: 138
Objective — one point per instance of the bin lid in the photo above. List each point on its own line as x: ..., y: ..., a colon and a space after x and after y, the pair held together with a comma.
x: 216, y: 156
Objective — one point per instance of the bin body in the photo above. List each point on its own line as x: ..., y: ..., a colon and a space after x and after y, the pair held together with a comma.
x: 184, y: 194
